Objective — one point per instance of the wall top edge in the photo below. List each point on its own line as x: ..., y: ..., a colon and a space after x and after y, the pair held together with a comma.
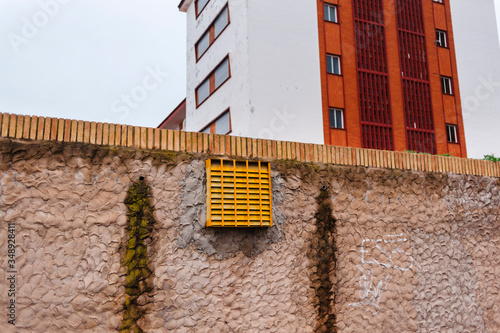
x: 67, y: 130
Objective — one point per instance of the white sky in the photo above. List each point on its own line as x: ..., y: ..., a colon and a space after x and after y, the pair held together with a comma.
x: 86, y: 58
x: 497, y: 9
x: 79, y: 62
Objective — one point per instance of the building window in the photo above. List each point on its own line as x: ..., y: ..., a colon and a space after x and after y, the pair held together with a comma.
x: 221, y: 125
x: 336, y: 118
x: 333, y: 64
x: 213, y: 81
x: 330, y: 13
x: 441, y: 38
x: 203, y: 44
x: 221, y: 73
x: 203, y: 91
x: 438, y: 1
x: 451, y: 133
x: 239, y: 193
x: 214, y: 30
x: 200, y: 5
x: 221, y: 22
x: 446, y: 85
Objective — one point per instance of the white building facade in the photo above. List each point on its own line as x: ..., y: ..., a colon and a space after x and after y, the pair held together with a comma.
x: 272, y: 88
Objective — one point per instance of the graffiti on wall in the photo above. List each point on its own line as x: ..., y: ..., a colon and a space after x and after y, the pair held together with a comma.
x: 388, y: 254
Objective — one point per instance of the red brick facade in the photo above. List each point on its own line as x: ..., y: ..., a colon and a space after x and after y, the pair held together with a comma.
x: 391, y: 45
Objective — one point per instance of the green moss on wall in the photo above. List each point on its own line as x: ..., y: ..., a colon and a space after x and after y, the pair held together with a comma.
x: 140, y: 224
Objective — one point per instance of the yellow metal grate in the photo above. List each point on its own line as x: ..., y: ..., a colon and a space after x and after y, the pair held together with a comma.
x: 238, y: 194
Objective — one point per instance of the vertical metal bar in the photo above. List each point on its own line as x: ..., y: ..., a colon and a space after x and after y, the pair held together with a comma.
x: 209, y: 192
x: 235, y: 201
x: 270, y: 195
x: 260, y: 193
x: 222, y: 190
x: 248, y: 196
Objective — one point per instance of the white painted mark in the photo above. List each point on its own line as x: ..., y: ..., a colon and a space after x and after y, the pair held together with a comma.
x: 370, y: 293
x: 384, y: 247
x: 383, y: 252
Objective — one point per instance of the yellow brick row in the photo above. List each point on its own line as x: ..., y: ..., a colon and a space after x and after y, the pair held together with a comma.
x: 66, y: 130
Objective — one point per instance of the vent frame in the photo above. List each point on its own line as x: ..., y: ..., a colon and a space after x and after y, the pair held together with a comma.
x: 239, y: 193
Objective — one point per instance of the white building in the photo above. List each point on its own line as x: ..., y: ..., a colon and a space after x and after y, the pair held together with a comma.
x: 268, y: 94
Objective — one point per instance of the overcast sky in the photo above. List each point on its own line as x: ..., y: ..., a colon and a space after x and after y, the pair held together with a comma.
x: 86, y: 58
x: 120, y: 61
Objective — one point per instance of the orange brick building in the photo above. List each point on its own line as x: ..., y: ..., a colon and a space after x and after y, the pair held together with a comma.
x: 389, y: 75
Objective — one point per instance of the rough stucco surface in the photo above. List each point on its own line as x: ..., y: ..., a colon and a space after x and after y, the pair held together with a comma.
x: 416, y: 252
x: 68, y: 206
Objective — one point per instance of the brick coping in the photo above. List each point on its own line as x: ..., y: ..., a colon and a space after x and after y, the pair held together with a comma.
x: 67, y: 130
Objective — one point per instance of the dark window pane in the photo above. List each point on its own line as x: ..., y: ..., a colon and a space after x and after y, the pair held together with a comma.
x: 340, y: 120
x: 336, y: 65
x: 200, y: 5
x: 332, y: 64
x: 330, y: 13
x: 203, y: 44
x: 220, y: 23
x: 336, y: 118
x: 203, y: 91
x: 222, y: 124
x: 221, y: 73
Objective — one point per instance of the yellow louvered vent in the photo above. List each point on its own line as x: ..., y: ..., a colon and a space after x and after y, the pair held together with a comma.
x: 238, y: 194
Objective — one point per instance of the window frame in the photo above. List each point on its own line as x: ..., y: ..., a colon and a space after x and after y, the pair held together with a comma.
x: 443, y: 33
x: 444, y: 86
x: 219, y: 15
x: 328, y: 55
x: 240, y: 211
x: 207, y: 82
x: 336, y: 8
x: 211, y: 33
x: 330, y: 109
x: 196, y: 8
x: 219, y: 66
x: 452, y: 135
x: 214, y: 121
x: 196, y: 45
x: 211, y: 79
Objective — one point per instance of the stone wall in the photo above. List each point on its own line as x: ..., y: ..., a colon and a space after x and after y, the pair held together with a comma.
x: 352, y: 249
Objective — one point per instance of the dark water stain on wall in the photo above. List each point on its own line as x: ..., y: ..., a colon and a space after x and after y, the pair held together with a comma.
x: 322, y: 256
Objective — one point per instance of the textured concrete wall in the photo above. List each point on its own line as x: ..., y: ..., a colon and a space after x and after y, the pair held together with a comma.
x: 415, y: 251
